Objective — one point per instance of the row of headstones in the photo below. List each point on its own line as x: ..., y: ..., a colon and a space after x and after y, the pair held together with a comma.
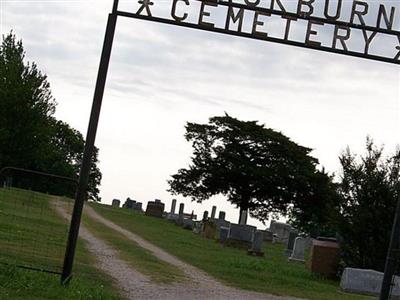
x: 183, y: 219
x: 129, y: 203
x: 324, y: 258
x: 323, y: 255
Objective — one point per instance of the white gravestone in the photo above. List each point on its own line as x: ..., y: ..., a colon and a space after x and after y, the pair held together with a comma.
x: 364, y: 281
x: 299, y: 249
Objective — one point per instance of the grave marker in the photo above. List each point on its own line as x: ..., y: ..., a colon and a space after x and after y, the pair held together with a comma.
x: 116, y: 203
x: 173, y: 206
x: 299, y: 249
x: 213, y: 211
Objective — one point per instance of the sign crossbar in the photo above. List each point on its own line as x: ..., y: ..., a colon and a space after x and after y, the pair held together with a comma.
x: 262, y: 38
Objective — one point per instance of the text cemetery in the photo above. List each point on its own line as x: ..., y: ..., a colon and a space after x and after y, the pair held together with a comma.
x: 354, y: 28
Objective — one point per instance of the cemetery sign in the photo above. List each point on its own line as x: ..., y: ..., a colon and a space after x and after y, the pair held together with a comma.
x: 355, y: 27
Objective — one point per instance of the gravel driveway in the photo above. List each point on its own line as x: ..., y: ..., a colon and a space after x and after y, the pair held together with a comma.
x: 135, y: 285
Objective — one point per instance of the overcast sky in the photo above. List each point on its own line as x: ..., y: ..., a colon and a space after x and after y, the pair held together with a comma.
x: 162, y: 76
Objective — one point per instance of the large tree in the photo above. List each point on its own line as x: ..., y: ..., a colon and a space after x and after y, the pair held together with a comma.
x: 369, y: 189
x: 30, y: 136
x: 258, y: 169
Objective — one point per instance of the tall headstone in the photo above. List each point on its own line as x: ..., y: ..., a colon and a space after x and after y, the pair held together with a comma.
x: 181, y: 208
x: 221, y: 215
x: 213, y: 211
x: 299, y: 248
x: 290, y: 243
x: 205, y: 215
x: 180, y: 217
x: 243, y: 217
x: 173, y: 206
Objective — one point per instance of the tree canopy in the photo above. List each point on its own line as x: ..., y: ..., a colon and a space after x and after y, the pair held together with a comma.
x: 30, y: 136
x: 258, y: 169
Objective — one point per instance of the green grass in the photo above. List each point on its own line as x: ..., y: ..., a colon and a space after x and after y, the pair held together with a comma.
x: 140, y: 259
x: 33, y: 235
x: 270, y: 274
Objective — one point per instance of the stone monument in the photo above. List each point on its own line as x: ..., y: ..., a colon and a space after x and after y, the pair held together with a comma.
x: 116, y: 202
x: 299, y: 249
x: 155, y: 208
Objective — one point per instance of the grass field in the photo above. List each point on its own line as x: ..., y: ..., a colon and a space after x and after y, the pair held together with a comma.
x: 33, y: 235
x: 271, y: 274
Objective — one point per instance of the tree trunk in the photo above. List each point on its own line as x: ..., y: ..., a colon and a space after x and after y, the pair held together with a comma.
x: 242, y: 217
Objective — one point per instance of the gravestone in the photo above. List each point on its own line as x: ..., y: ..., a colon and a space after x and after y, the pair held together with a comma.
x: 281, y: 230
x: 324, y: 258
x: 242, y: 232
x: 155, y: 209
x: 363, y: 281
x: 197, y: 227
x: 268, y: 236
x: 116, y: 202
x: 188, y: 224
x: 223, y: 234
x: 209, y: 230
x: 129, y: 203
x: 256, y: 247
x: 213, y: 211
x: 290, y: 243
x: 299, y: 249
x: 221, y: 223
x: 181, y: 214
x: 173, y: 206
x: 221, y: 215
x: 137, y: 206
x: 173, y: 217
x: 205, y: 215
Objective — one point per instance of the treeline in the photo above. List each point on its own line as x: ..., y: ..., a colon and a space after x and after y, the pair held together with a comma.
x: 30, y: 136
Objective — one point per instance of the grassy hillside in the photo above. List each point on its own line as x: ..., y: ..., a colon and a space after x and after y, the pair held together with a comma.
x: 33, y: 235
x: 271, y: 274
